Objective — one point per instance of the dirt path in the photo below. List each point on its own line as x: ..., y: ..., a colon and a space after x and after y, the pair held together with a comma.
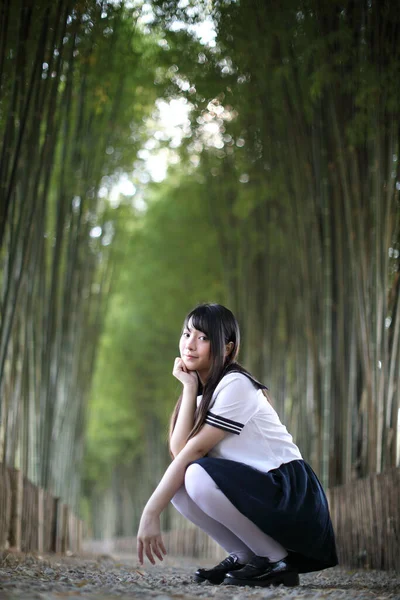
x: 100, y: 578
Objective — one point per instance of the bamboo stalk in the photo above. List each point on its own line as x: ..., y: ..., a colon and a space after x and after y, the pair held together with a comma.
x: 17, y: 485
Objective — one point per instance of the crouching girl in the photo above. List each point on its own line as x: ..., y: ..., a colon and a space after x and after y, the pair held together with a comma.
x: 236, y: 473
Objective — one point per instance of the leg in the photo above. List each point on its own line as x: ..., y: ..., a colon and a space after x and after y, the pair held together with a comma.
x: 209, y: 498
x: 223, y: 536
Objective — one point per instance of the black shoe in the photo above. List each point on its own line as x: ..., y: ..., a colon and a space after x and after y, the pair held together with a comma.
x: 260, y: 571
x: 217, y: 573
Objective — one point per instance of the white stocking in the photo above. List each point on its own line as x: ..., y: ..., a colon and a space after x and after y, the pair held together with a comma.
x: 207, y: 496
x: 225, y: 538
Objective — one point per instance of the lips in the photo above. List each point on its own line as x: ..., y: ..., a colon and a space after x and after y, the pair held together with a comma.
x: 189, y: 356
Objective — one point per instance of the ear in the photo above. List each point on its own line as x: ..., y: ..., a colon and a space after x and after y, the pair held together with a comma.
x: 228, y: 348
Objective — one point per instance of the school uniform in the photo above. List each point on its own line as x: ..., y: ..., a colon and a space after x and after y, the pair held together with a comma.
x: 261, y: 471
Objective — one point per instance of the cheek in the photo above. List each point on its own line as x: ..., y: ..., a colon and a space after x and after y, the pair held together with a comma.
x: 207, y: 353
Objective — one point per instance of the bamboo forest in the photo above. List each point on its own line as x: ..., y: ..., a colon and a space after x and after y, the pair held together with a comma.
x: 158, y: 154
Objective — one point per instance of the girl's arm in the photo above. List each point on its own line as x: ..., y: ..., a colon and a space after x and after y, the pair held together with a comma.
x: 149, y: 539
x: 185, y: 420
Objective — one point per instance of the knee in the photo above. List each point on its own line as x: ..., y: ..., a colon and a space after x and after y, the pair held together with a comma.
x: 197, y: 483
x: 181, y: 501
x: 179, y: 498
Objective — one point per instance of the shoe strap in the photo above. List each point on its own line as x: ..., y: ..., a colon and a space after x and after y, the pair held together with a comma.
x: 229, y: 560
x: 259, y: 562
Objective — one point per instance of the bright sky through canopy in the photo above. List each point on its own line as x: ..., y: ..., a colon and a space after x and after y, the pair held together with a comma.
x: 170, y: 120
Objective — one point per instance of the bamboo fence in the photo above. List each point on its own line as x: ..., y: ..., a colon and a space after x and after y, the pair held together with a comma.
x: 366, y: 520
x: 32, y: 519
x: 365, y: 515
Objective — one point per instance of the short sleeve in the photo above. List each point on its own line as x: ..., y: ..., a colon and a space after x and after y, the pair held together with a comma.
x: 234, y: 403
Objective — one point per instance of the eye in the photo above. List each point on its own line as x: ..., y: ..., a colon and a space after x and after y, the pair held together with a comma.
x: 203, y: 337
x: 185, y: 334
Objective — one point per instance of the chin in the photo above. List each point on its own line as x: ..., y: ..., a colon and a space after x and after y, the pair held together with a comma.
x: 188, y: 365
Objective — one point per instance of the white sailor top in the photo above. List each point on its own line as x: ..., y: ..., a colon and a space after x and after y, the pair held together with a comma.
x: 256, y: 435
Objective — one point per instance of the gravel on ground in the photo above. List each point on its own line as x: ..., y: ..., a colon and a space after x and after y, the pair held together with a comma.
x: 103, y: 577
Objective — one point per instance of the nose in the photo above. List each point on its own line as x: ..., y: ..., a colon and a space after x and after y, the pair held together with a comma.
x: 190, y: 343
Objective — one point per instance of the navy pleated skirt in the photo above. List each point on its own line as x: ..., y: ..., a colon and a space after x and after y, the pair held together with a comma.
x: 287, y: 503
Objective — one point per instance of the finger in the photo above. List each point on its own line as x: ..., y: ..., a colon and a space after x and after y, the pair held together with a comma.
x: 177, y: 365
x: 147, y: 550
x: 140, y: 551
x: 156, y: 550
x: 161, y: 545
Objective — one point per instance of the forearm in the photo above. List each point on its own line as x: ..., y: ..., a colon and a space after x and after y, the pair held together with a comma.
x: 185, y: 420
x: 172, y: 480
x: 149, y: 535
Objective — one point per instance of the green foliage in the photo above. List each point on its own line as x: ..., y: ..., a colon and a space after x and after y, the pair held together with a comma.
x: 76, y: 84
x: 296, y: 95
x: 169, y: 263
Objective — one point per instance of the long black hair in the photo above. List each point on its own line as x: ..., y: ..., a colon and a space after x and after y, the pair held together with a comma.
x: 221, y: 327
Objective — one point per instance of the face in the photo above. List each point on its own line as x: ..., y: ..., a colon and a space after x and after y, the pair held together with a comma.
x: 195, y: 349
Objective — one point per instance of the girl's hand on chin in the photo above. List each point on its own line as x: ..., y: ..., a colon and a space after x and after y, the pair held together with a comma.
x: 149, y: 540
x: 185, y: 376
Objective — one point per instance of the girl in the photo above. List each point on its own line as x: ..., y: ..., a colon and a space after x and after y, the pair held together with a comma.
x: 236, y: 472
